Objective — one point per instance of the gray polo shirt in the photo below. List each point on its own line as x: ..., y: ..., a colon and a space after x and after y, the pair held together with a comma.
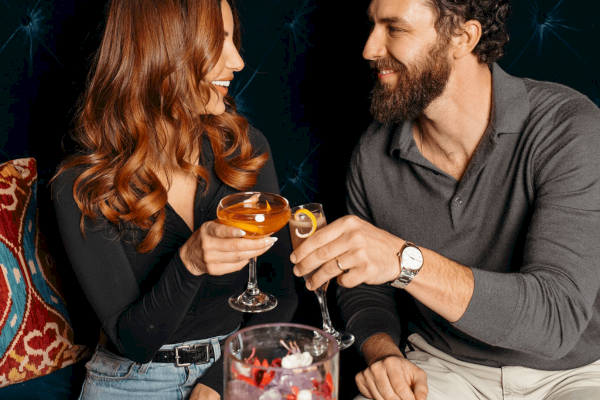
x: 525, y: 217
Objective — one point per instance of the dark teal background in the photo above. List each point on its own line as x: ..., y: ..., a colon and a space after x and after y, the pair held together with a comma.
x: 305, y: 86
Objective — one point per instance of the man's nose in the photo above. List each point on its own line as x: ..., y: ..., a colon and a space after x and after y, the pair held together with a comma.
x: 375, y: 46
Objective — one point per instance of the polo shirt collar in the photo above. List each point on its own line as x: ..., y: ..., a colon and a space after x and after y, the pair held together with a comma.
x: 511, y: 102
x: 510, y: 113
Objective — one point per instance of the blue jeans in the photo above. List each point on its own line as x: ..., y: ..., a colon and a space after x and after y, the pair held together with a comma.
x: 111, y: 377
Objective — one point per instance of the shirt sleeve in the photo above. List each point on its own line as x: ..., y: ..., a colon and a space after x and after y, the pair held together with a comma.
x: 137, y: 323
x: 545, y: 307
x: 366, y: 309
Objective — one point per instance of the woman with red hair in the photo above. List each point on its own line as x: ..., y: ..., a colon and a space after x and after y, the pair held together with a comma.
x: 160, y: 144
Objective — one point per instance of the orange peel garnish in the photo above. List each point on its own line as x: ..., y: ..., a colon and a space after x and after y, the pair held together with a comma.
x: 312, y: 218
x: 249, y: 228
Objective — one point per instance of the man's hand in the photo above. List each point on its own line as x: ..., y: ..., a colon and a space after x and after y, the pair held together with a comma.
x: 370, y: 255
x: 393, y: 378
x: 390, y: 376
x: 203, y: 392
x: 367, y: 253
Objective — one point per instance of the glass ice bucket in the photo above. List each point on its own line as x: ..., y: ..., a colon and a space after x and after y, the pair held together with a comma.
x: 281, y: 362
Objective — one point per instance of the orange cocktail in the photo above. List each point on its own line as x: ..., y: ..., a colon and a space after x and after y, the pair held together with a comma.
x: 258, y: 219
x: 258, y: 214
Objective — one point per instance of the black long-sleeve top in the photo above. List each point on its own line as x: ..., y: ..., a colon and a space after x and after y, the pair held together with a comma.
x: 146, y: 300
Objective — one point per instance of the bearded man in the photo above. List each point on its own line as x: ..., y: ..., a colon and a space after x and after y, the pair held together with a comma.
x: 475, y: 218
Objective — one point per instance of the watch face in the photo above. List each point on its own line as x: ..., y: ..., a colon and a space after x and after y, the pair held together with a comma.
x: 412, y: 258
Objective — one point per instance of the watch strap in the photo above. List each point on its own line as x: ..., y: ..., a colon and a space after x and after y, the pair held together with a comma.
x: 406, y: 275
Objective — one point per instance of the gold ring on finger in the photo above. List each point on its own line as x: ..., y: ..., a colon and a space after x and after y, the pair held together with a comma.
x: 340, y: 266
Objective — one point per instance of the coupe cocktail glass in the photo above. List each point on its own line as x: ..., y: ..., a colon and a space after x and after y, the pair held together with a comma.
x: 300, y: 228
x: 259, y: 215
x: 256, y: 367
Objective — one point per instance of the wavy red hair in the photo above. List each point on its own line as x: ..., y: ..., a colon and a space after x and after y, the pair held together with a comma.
x: 142, y: 98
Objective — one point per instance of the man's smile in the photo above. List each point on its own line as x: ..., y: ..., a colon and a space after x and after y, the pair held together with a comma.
x: 384, y: 74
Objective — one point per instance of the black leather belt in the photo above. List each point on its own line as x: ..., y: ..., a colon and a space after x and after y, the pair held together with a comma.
x: 186, y: 355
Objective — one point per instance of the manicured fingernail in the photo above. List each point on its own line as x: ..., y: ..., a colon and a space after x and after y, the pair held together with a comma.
x: 293, y: 258
x: 242, y: 233
x: 270, y: 241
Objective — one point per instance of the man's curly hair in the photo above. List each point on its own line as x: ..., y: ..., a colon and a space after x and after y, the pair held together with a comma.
x: 491, y: 14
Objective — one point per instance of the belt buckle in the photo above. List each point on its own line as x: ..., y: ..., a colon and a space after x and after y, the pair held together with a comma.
x: 177, y: 356
x: 207, y: 347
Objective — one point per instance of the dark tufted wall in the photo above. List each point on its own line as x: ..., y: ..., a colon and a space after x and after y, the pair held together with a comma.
x: 43, y: 61
x: 305, y: 84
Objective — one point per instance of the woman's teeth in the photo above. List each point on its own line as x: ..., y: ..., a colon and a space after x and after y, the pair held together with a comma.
x: 221, y: 83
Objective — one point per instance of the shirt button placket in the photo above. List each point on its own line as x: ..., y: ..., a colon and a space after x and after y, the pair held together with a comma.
x: 456, y: 210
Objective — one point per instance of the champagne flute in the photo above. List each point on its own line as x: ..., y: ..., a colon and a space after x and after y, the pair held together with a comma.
x: 259, y: 215
x: 301, y: 227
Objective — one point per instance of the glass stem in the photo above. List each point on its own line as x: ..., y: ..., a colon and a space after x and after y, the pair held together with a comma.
x: 252, y: 288
x: 322, y: 297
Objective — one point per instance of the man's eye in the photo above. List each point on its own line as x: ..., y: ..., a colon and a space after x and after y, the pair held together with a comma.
x: 393, y: 29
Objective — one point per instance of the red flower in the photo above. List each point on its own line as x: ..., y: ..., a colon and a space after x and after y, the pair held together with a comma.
x: 324, y: 389
x: 258, y: 376
x: 294, y: 394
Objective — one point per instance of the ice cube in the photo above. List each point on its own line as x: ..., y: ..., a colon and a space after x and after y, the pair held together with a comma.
x: 272, y: 394
x: 304, y: 395
x: 238, y: 389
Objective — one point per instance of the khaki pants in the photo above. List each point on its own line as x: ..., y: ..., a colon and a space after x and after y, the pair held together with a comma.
x: 451, y: 379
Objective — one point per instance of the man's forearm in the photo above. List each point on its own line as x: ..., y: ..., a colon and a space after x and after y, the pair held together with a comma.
x: 378, y: 347
x: 443, y: 285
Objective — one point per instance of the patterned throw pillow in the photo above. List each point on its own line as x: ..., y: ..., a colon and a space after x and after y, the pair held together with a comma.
x: 36, y: 337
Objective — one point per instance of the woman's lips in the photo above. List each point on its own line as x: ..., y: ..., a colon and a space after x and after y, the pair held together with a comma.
x: 222, y: 89
x: 222, y: 85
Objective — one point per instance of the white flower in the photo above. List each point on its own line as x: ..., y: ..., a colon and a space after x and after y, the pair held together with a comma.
x: 296, y: 360
x: 272, y: 394
x: 304, y: 395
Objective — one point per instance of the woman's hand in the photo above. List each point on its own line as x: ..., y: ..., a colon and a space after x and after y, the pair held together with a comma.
x: 203, y: 392
x: 218, y: 249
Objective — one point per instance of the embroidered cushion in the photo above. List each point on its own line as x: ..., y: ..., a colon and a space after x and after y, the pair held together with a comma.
x: 36, y: 337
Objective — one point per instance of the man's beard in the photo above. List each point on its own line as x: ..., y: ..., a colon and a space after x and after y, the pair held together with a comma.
x: 416, y: 87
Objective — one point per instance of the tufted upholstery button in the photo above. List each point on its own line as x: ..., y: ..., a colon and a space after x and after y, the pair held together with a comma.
x: 289, y: 18
x: 540, y: 19
x: 26, y: 20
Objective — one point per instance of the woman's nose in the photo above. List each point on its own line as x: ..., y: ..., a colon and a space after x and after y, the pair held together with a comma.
x: 234, y: 60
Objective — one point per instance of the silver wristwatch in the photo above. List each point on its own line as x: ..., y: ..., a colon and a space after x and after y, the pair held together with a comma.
x: 411, y: 261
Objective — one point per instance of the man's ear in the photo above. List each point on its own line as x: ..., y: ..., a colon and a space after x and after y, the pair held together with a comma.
x: 468, y: 39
